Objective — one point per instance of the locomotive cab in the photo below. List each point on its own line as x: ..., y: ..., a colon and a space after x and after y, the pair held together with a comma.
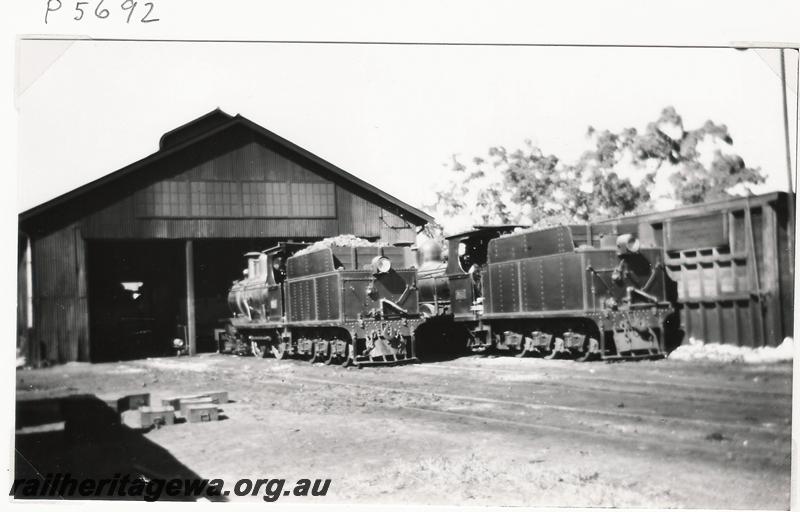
x: 259, y: 296
x: 275, y: 276
x: 466, y: 263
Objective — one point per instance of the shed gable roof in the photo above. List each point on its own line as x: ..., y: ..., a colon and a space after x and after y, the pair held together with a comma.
x: 203, y: 129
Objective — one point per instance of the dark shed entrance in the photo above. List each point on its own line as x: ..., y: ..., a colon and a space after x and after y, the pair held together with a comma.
x: 137, y: 293
x: 113, y: 269
x: 136, y: 290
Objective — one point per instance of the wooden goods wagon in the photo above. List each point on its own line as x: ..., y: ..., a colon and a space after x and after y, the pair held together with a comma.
x: 733, y: 266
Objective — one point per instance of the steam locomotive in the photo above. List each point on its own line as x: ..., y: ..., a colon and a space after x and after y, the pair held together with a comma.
x: 560, y: 292
x: 346, y: 305
x: 578, y: 292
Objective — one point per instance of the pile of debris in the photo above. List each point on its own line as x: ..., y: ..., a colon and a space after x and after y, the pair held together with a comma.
x: 339, y: 241
x: 696, y: 350
x: 136, y: 411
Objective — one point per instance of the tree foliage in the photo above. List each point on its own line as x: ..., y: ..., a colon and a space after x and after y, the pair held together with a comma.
x: 615, y: 176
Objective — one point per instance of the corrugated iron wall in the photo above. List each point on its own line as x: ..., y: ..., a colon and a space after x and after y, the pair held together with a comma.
x: 60, y: 307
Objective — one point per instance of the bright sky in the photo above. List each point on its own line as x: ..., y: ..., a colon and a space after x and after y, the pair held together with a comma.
x: 391, y: 115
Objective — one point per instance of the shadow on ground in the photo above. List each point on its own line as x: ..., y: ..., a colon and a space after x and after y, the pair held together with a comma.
x: 81, y: 437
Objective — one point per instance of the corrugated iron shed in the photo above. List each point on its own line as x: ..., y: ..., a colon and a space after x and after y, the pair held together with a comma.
x: 219, y: 177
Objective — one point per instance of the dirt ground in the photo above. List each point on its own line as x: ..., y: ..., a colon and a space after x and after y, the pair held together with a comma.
x: 474, y: 430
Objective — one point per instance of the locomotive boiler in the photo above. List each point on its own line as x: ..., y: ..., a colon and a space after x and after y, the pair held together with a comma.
x: 556, y: 292
x: 347, y: 305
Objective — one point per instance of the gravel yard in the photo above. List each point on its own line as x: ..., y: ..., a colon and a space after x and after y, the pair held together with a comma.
x: 474, y: 430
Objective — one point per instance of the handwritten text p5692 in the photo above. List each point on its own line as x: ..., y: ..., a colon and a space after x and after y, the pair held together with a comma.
x: 129, y: 11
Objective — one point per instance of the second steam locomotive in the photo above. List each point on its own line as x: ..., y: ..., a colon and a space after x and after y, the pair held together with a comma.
x: 556, y: 292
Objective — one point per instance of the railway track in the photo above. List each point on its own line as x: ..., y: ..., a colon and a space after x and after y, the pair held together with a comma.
x: 653, y: 369
x: 616, y: 415
x: 389, y: 422
x: 620, y: 400
x: 462, y: 395
x: 638, y: 431
x: 707, y: 450
x: 636, y: 387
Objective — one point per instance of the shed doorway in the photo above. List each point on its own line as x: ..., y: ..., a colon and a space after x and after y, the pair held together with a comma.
x: 137, y: 293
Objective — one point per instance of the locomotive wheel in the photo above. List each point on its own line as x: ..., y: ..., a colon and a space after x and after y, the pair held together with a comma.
x: 258, y: 350
x: 349, y: 357
x: 558, y: 350
x: 321, y: 355
x: 279, y: 350
x: 588, y: 356
x: 591, y: 351
x: 523, y: 349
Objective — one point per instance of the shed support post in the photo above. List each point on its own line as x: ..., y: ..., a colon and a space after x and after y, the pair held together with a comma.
x: 191, y: 335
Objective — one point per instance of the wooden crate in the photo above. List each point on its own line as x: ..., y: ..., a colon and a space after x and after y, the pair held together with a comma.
x: 216, y: 397
x: 146, y: 417
x: 121, y: 403
x: 199, y: 413
x: 194, y: 402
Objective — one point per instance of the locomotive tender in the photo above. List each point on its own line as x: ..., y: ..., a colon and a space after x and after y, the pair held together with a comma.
x: 544, y: 293
x: 345, y: 305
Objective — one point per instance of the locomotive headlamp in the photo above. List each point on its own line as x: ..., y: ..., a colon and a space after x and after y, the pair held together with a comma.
x: 627, y: 244
x: 381, y: 264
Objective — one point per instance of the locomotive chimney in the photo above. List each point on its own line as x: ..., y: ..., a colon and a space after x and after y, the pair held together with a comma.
x: 252, y: 263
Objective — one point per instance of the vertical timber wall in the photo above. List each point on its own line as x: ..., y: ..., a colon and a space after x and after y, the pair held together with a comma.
x: 733, y: 266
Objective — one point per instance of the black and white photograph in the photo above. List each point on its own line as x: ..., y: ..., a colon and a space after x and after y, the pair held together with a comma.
x: 465, y: 271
